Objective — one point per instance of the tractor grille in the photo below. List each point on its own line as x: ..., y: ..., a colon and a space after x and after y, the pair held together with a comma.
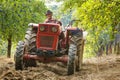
x: 46, y: 41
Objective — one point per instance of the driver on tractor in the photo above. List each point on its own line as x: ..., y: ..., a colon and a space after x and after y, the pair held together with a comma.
x: 50, y: 19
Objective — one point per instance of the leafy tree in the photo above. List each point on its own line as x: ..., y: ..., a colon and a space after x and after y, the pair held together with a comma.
x: 57, y: 13
x: 95, y: 13
x: 15, y: 16
x: 3, y: 45
x: 99, y: 17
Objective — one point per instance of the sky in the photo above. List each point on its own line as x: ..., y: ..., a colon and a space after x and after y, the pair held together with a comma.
x: 52, y: 2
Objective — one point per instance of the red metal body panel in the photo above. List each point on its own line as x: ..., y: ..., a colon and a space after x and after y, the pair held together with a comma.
x: 53, y: 45
x: 47, y: 40
x: 49, y: 25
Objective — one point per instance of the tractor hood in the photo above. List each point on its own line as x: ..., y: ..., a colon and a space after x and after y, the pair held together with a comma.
x: 48, y: 36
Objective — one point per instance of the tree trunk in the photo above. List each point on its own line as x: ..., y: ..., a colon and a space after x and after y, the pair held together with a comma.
x: 9, y: 46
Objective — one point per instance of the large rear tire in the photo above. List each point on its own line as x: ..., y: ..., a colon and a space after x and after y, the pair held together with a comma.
x: 30, y: 43
x: 30, y: 40
x: 75, y: 53
x: 18, y: 57
x: 80, y: 49
x: 71, y: 58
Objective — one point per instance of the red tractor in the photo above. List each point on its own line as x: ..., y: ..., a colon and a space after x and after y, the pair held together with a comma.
x: 48, y: 43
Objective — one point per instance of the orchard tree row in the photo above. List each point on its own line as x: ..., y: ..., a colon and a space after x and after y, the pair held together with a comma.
x: 15, y: 16
x: 101, y: 18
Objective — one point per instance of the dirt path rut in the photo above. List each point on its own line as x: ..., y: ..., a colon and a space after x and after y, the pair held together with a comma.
x: 102, y: 68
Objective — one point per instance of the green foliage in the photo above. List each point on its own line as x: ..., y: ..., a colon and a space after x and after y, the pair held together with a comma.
x: 3, y: 49
x: 16, y: 14
x: 98, y: 17
x: 95, y: 13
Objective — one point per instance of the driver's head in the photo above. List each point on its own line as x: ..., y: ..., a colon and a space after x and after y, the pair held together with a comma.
x: 49, y: 14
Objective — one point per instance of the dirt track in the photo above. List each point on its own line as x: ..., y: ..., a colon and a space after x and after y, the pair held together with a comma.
x: 103, y: 68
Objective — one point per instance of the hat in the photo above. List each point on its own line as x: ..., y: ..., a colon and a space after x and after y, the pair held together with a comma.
x: 48, y: 12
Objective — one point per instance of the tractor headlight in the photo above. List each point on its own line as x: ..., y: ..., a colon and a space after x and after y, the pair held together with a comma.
x: 54, y: 29
x: 42, y: 28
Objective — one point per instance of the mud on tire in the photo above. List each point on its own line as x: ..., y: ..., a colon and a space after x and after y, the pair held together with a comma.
x: 30, y: 43
x: 18, y: 57
x: 30, y: 40
x: 80, y: 48
x: 71, y: 59
x: 75, y: 53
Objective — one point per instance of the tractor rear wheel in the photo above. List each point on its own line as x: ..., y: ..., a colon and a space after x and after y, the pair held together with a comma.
x: 80, y: 48
x: 75, y: 53
x: 71, y: 59
x: 18, y: 57
x: 30, y: 40
x: 30, y: 43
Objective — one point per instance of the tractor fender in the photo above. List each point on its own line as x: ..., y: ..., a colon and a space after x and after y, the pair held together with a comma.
x: 74, y: 31
x: 33, y: 25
